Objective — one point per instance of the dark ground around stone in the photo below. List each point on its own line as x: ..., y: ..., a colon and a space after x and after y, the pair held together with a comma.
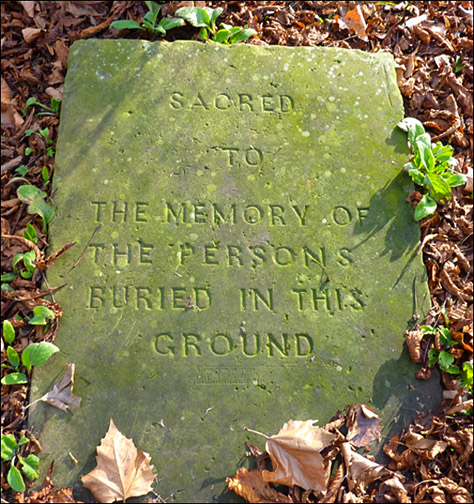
x: 434, y: 66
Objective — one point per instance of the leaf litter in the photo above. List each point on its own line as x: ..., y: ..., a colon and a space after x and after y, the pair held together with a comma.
x: 432, y: 45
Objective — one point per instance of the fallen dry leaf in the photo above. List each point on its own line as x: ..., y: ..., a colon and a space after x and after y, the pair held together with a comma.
x: 295, y: 455
x: 361, y: 470
x: 31, y: 34
x: 363, y: 426
x: 122, y: 471
x: 250, y: 486
x: 354, y: 21
x: 10, y: 117
x: 61, y: 395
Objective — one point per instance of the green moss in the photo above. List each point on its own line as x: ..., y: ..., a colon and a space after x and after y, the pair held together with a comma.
x: 323, y: 245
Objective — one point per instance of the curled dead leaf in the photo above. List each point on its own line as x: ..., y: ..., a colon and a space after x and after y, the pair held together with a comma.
x: 61, y: 396
x: 122, y: 471
x: 250, y: 486
x: 362, y: 471
x: 414, y: 339
x: 363, y: 426
x: 295, y: 455
x: 427, y: 448
x: 31, y: 34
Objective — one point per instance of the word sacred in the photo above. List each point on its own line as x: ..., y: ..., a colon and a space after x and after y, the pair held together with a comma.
x: 241, y: 102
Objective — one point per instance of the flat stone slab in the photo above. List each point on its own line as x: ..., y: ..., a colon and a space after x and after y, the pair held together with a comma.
x: 256, y: 260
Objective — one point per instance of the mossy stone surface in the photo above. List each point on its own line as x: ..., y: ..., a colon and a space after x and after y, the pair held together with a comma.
x: 256, y: 260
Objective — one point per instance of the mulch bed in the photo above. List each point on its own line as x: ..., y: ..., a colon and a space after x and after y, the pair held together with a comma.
x: 432, y: 44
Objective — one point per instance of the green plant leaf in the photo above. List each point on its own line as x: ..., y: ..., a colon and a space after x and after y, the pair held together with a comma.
x: 8, y: 277
x: 196, y: 16
x: 467, y: 374
x: 433, y: 355
x: 13, y: 357
x: 30, y: 233
x: 214, y: 13
x: 427, y: 206
x: 8, y: 329
x: 28, y: 193
x: 453, y: 369
x: 426, y: 155
x: 41, y: 315
x: 439, y: 189
x: 29, y: 466
x: 15, y: 379
x: 31, y: 101
x: 55, y: 103
x: 15, y: 479
x: 458, y: 66
x: 221, y: 36
x: 126, y: 24
x: 8, y: 446
x: 45, y: 174
x: 427, y: 329
x: 36, y: 354
x: 417, y: 176
x: 170, y: 23
x: 242, y: 35
x: 445, y: 337
x: 442, y: 152
x: 445, y: 360
x: 411, y: 122
x: 455, y: 179
x: 16, y: 260
x: 23, y: 441
x: 28, y: 259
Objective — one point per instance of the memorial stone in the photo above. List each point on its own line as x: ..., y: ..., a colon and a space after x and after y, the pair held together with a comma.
x: 255, y: 261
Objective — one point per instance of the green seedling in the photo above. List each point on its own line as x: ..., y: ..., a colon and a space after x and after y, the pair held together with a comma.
x: 459, y: 65
x: 28, y: 261
x: 41, y: 315
x: 6, y: 279
x: 29, y: 464
x: 52, y: 110
x: 444, y: 359
x: 8, y: 332
x: 149, y: 22
x: 34, y: 354
x: 45, y: 174
x: 45, y: 134
x: 431, y: 167
x: 22, y: 170
x: 35, y: 198
x: 30, y: 233
x: 205, y: 19
x: 467, y: 375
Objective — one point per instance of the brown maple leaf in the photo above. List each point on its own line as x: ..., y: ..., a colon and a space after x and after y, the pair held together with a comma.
x: 122, y: 471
